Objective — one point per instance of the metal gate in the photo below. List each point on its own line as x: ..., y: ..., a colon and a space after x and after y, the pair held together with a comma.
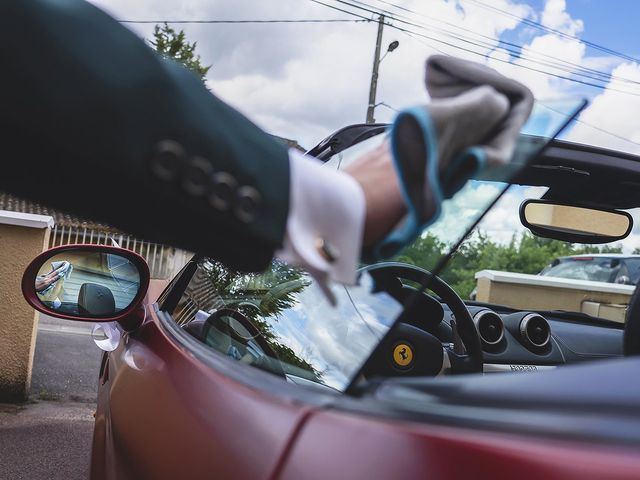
x: 164, y: 262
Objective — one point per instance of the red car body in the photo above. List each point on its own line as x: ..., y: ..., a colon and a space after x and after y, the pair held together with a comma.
x: 170, y: 407
x: 163, y: 413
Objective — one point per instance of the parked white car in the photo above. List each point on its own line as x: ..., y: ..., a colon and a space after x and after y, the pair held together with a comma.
x: 603, y: 267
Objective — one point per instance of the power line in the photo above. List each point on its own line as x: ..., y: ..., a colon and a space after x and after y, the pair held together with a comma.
x: 555, y: 75
x: 590, y: 81
x: 301, y: 20
x: 341, y: 10
x: 545, y: 28
x: 577, y: 120
x: 555, y: 62
x: 562, y: 66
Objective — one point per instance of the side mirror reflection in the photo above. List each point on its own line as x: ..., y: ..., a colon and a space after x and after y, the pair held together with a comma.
x: 573, y: 223
x: 86, y: 282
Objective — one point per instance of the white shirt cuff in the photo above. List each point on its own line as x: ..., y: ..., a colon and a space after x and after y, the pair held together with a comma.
x: 326, y: 207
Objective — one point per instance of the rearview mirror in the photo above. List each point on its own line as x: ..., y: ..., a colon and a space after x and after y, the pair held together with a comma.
x: 92, y: 283
x: 575, y: 224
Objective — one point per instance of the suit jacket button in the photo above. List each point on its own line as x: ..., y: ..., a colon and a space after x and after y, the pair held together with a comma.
x: 247, y: 204
x: 196, y: 178
x: 223, y: 191
x: 167, y: 161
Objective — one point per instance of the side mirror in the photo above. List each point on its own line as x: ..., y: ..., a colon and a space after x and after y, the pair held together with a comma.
x: 91, y: 283
x: 575, y: 224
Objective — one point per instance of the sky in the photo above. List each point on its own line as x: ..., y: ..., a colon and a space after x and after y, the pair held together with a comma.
x: 304, y: 81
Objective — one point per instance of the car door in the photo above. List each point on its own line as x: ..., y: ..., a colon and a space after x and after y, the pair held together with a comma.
x: 163, y: 412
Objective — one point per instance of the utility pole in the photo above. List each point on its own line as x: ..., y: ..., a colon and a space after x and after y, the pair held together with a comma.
x: 374, y: 74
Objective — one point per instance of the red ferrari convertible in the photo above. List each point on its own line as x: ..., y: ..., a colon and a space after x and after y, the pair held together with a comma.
x: 230, y: 375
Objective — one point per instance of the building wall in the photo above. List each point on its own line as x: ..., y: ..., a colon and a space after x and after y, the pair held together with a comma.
x: 532, y: 296
x: 19, y: 245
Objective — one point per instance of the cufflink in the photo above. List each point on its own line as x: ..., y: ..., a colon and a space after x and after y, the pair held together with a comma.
x: 326, y: 250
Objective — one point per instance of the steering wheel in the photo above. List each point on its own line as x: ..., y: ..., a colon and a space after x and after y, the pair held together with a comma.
x: 218, y: 320
x: 409, y: 350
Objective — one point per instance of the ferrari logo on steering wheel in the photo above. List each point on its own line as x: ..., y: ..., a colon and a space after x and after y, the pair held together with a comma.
x: 402, y: 355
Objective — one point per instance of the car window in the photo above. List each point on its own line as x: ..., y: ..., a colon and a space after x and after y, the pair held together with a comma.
x: 280, y: 321
x: 586, y: 268
x: 632, y: 266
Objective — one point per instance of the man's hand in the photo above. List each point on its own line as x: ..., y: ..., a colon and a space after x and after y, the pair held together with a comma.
x: 45, y: 281
x: 375, y: 173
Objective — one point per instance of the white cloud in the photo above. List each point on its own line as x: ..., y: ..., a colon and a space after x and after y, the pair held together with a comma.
x: 304, y: 81
x: 547, y: 53
x: 615, y: 112
x: 555, y: 16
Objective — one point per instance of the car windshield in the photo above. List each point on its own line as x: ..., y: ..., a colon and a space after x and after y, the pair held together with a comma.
x: 282, y: 314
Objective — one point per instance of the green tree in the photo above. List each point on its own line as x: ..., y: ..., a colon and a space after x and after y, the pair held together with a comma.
x: 525, y: 253
x: 175, y: 45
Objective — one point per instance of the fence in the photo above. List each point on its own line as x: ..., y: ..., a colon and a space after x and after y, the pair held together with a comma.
x: 164, y: 262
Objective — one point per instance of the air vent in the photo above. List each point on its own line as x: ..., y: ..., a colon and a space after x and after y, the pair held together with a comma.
x: 489, y: 326
x: 535, y: 331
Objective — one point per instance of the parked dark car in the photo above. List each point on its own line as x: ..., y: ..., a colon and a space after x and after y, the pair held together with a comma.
x: 228, y: 375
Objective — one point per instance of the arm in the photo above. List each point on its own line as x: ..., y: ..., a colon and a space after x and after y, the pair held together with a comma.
x: 138, y: 142
x: 130, y: 139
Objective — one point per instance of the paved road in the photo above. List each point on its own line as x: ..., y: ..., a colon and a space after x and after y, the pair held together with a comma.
x: 50, y: 436
x: 45, y: 440
x: 66, y: 362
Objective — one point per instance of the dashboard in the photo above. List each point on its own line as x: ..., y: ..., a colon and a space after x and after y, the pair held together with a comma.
x: 514, y: 341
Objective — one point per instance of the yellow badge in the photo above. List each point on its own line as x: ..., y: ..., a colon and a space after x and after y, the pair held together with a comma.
x: 402, y: 355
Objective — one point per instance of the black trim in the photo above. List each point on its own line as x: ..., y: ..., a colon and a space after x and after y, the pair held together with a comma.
x: 178, y: 286
x: 344, y: 138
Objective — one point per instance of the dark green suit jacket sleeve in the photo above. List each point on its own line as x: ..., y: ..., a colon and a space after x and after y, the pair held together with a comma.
x: 95, y: 123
